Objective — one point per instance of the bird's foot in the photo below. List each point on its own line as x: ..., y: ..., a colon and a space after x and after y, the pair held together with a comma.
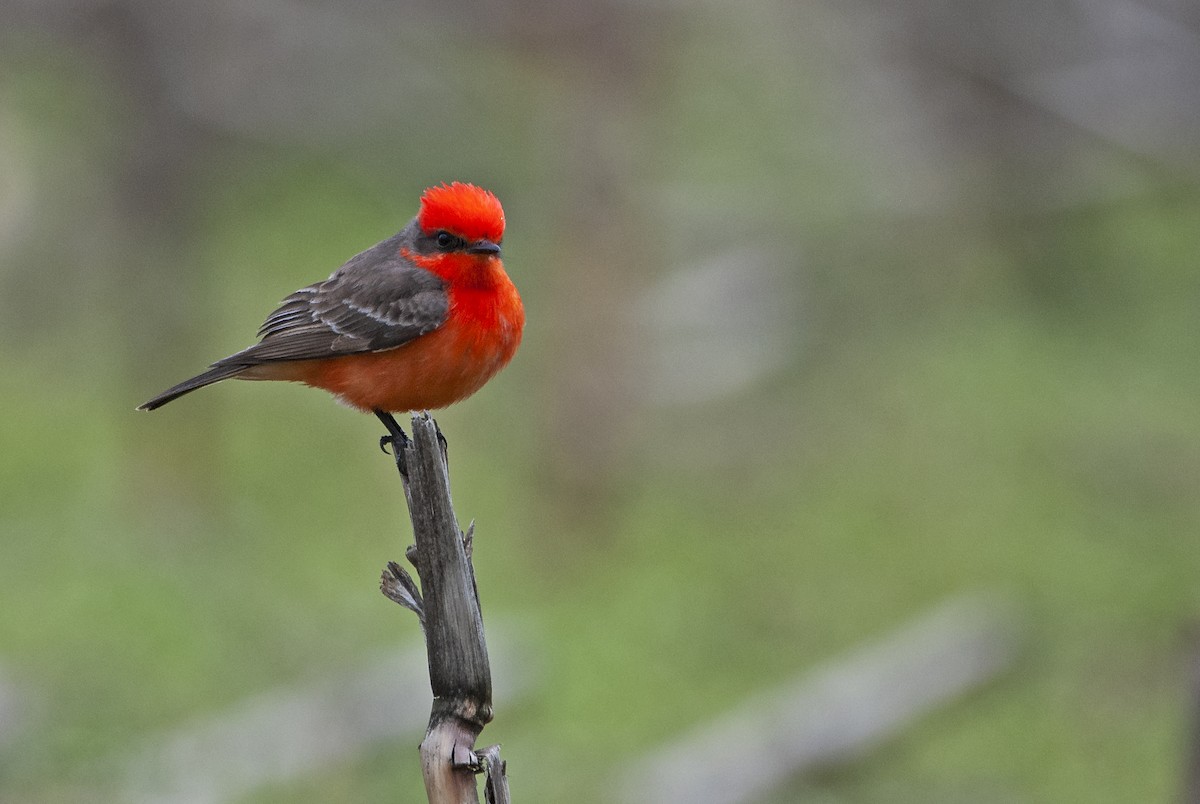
x: 396, y: 438
x: 442, y: 442
x: 390, y: 440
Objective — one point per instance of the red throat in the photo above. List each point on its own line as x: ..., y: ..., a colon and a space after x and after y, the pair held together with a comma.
x: 464, y: 209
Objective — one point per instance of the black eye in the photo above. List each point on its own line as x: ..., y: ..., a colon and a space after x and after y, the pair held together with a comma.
x: 445, y: 240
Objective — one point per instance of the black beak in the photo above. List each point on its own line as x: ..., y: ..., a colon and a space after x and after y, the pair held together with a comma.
x: 484, y: 247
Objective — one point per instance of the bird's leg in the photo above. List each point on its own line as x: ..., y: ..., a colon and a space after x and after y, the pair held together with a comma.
x: 396, y: 437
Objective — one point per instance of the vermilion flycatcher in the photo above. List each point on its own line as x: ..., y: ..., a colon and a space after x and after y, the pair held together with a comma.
x: 417, y: 322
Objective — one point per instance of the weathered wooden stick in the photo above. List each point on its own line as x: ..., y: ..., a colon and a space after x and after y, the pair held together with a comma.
x: 496, y: 789
x: 287, y: 733
x: 448, y: 606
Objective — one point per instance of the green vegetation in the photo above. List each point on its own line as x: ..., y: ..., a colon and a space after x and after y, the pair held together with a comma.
x: 1010, y: 404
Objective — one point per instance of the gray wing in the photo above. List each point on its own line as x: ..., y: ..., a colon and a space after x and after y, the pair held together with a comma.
x: 378, y: 300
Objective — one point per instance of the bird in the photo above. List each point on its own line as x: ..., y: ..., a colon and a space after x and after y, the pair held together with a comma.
x: 417, y: 322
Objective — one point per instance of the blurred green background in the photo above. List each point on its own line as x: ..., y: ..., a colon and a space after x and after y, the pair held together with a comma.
x: 835, y: 311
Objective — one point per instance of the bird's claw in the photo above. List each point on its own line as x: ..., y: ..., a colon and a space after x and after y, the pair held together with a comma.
x: 391, y: 440
x: 396, y: 438
x: 442, y: 442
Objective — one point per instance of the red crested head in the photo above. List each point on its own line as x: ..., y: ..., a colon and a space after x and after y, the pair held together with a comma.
x: 465, y: 210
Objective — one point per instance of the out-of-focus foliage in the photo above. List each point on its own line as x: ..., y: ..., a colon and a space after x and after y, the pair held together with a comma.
x: 834, y: 310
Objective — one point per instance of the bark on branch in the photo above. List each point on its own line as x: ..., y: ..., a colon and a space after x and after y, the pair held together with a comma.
x: 447, y: 605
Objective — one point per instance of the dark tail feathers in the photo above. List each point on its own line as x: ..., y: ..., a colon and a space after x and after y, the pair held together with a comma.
x: 214, y: 374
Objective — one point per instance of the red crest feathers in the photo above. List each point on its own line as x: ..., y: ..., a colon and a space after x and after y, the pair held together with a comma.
x: 462, y: 209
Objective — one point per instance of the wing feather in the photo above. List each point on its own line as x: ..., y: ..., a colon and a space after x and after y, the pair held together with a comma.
x: 378, y: 300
